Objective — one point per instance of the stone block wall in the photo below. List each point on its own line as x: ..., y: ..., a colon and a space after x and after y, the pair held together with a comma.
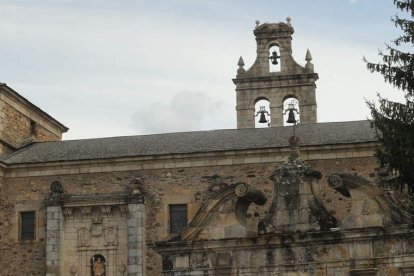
x: 27, y: 188
x: 21, y: 122
x: 276, y: 89
x: 365, y: 252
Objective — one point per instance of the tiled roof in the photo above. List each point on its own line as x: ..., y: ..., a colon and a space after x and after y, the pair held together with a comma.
x: 192, y: 142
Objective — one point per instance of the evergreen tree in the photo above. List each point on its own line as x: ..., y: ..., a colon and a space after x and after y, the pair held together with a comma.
x: 394, y: 122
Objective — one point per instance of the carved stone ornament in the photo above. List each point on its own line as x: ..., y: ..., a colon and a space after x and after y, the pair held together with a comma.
x: 56, y: 194
x: 106, y: 210
x: 122, y: 268
x: 295, y: 207
x: 236, y: 199
x: 137, y: 184
x: 73, y: 269
x: 111, y: 236
x: 68, y: 212
x: 97, y: 229
x: 84, y: 237
x: 123, y: 210
x: 86, y: 212
x: 388, y: 208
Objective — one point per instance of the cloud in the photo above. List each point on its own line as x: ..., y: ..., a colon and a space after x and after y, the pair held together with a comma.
x: 187, y: 111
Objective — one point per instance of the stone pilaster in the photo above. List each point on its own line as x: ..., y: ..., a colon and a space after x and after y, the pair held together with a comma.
x: 53, y: 239
x: 54, y: 216
x: 136, y: 236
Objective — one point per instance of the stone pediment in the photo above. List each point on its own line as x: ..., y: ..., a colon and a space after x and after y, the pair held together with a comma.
x: 223, y: 214
x: 370, y: 206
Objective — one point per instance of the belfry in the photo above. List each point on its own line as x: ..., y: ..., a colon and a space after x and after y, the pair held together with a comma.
x: 275, y: 77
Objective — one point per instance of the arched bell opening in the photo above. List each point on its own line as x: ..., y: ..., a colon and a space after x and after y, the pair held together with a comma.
x: 274, y: 58
x: 98, y: 265
x: 291, y: 112
x: 262, y: 113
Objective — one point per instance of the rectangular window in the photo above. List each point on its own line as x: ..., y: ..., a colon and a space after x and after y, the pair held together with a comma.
x: 407, y: 271
x: 28, y: 225
x: 178, y: 217
x: 368, y: 272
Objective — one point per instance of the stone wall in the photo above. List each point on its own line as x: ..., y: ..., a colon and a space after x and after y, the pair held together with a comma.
x: 21, y: 122
x: 367, y: 252
x: 16, y: 127
x: 161, y: 188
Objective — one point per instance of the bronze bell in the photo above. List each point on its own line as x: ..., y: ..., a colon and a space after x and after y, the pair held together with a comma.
x: 291, y: 117
x: 273, y: 58
x: 262, y: 119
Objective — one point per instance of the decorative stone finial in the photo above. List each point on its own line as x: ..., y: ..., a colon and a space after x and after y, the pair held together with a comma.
x: 257, y: 23
x: 294, y: 146
x: 136, y: 185
x: 136, y: 196
x: 309, y: 64
x: 288, y: 19
x: 308, y: 57
x: 56, y: 195
x: 240, y: 64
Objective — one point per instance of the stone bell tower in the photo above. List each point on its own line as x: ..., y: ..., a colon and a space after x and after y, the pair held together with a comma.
x: 290, y: 81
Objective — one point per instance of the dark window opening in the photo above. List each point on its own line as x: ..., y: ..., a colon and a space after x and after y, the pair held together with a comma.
x: 369, y: 272
x: 33, y: 128
x: 178, y: 218
x: 28, y: 225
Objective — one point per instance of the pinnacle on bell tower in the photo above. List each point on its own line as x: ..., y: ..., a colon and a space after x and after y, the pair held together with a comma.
x: 274, y: 80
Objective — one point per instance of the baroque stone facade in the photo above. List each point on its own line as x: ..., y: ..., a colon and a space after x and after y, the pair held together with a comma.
x: 104, y: 205
x: 299, y: 235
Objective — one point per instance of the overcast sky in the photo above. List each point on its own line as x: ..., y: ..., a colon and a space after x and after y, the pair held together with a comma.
x: 119, y: 67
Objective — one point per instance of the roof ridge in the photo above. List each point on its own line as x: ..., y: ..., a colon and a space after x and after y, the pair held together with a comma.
x: 198, y: 131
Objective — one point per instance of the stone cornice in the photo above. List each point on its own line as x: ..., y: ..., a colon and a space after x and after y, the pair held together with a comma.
x: 267, y: 155
x: 293, y: 239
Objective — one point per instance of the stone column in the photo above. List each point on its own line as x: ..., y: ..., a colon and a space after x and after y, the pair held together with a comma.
x: 136, y: 231
x: 54, y: 216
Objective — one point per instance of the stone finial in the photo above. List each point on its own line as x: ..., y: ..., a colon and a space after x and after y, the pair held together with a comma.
x: 56, y: 194
x: 308, y: 57
x: 136, y: 185
x: 309, y: 64
x: 241, y: 65
x: 294, y: 146
x: 137, y: 195
x: 288, y: 19
x: 257, y: 23
x: 241, y: 62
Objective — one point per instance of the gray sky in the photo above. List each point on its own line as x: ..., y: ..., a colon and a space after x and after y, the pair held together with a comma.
x: 122, y: 67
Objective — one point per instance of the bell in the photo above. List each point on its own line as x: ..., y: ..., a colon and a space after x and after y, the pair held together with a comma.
x: 262, y: 119
x: 273, y: 58
x: 291, y: 117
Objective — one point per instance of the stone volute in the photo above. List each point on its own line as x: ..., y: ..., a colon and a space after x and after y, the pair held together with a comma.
x: 295, y: 208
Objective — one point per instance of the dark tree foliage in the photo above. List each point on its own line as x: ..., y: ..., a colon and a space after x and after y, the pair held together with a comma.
x: 394, y: 122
